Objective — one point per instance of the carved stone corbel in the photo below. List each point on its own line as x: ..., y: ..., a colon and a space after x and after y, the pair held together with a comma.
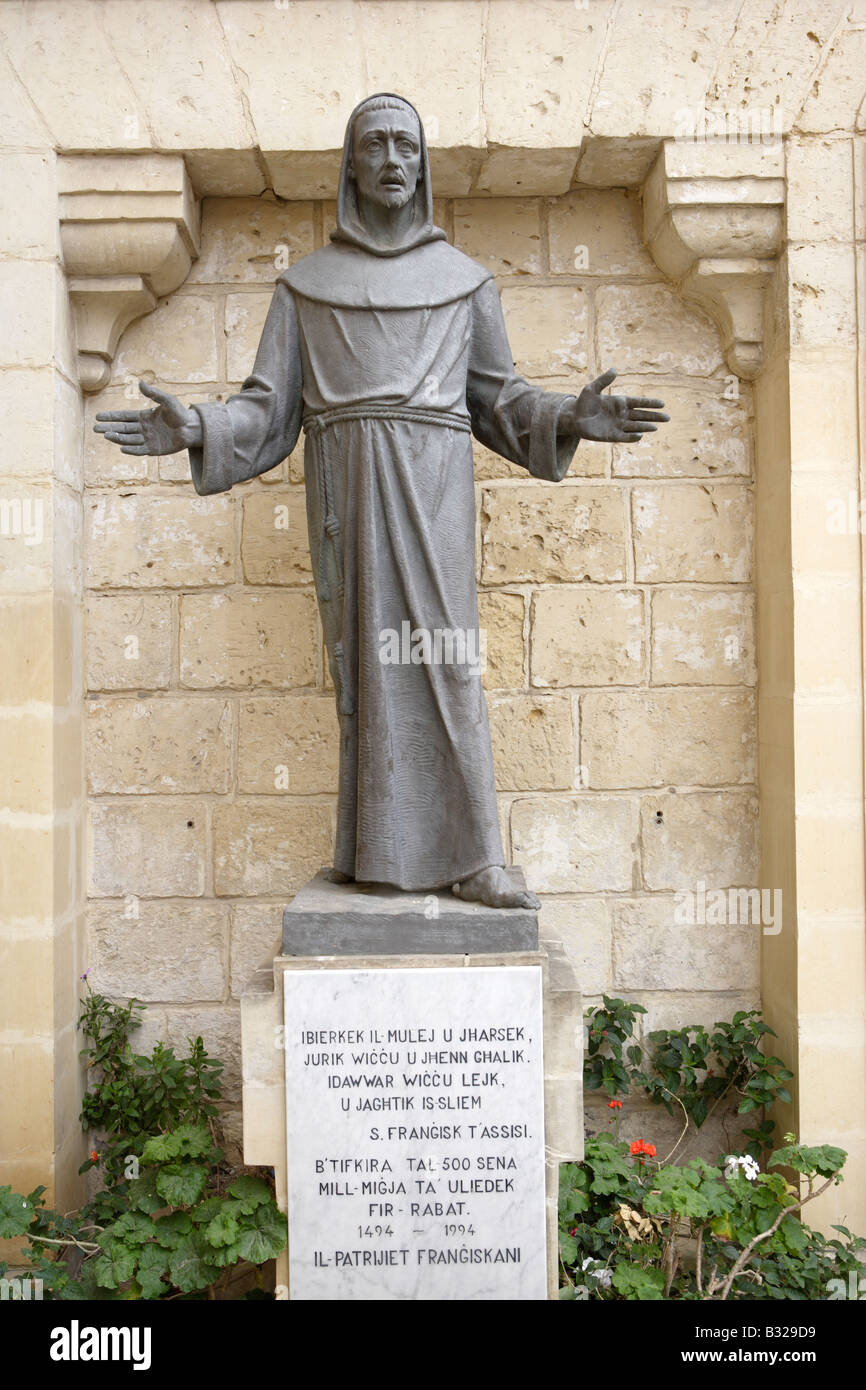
x: 713, y: 221
x: 129, y: 229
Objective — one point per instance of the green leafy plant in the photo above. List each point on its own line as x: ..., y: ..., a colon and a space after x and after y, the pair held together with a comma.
x: 172, y: 1219
x: 630, y: 1229
x: 609, y: 1030
x: 701, y: 1070
x: 693, y: 1068
x: 132, y: 1096
x: 180, y: 1233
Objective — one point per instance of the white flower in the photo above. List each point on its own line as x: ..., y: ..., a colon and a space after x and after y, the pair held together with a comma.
x: 733, y: 1163
x: 602, y: 1274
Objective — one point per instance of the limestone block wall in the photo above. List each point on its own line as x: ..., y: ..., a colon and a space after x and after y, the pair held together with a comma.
x: 619, y: 613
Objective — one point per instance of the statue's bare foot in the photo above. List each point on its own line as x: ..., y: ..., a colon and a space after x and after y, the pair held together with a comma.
x: 494, y: 888
x: 337, y: 876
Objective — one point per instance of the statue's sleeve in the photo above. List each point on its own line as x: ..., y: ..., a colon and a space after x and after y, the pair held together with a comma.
x: 253, y: 431
x: 511, y: 417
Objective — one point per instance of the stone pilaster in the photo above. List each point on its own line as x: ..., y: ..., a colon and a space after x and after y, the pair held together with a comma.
x: 41, y: 693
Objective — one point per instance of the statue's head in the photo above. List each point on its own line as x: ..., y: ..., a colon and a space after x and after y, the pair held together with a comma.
x: 385, y: 158
x: 384, y: 198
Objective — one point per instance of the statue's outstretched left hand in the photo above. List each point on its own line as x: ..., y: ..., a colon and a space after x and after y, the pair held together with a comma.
x: 611, y: 419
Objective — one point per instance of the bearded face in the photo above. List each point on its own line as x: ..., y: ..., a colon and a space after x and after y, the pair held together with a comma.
x: 386, y: 156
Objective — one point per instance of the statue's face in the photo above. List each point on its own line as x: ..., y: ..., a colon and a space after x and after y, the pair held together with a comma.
x: 386, y: 156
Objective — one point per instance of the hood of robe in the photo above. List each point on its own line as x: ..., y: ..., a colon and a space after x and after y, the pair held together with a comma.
x: 355, y: 271
x: 350, y: 226
x: 349, y: 277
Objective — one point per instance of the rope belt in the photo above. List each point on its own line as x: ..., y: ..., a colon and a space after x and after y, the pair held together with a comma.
x: 316, y: 421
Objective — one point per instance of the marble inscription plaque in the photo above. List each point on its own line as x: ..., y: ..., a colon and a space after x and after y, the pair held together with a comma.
x: 415, y: 1129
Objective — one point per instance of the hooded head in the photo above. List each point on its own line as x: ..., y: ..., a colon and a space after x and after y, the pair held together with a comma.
x: 351, y: 226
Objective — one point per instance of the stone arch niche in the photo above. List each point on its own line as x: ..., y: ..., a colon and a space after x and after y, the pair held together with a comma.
x: 763, y: 238
x: 528, y: 241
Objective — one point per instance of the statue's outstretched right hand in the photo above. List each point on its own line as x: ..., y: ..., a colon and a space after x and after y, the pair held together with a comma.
x: 166, y: 429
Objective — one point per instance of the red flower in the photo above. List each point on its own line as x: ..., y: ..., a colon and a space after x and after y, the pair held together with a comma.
x: 649, y: 1150
x: 94, y: 1155
x: 640, y: 1147
x: 614, y: 1105
x: 637, y: 1146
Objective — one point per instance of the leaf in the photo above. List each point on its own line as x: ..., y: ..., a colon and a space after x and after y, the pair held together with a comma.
x: 250, y: 1192
x: 568, y: 1248
x: 133, y: 1228
x: 116, y: 1266
x: 190, y: 1266
x: 223, y: 1229
x: 172, y: 1229
x: 794, y: 1235
x: 16, y: 1213
x: 609, y: 1166
x: 693, y: 1191
x: 633, y: 1282
x: 266, y: 1237
x: 208, y: 1209
x: 574, y: 1205
x: 187, y: 1141
x: 181, y: 1184
x: 142, y: 1192
x: 152, y: 1265
x: 826, y: 1159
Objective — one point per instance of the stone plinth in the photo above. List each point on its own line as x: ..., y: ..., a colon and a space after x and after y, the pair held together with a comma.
x: 327, y: 937
x: 359, y: 919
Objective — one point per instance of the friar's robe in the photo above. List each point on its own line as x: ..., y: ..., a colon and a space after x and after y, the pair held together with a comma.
x: 388, y: 363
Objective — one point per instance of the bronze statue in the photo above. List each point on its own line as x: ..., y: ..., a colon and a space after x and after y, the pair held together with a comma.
x: 389, y: 348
